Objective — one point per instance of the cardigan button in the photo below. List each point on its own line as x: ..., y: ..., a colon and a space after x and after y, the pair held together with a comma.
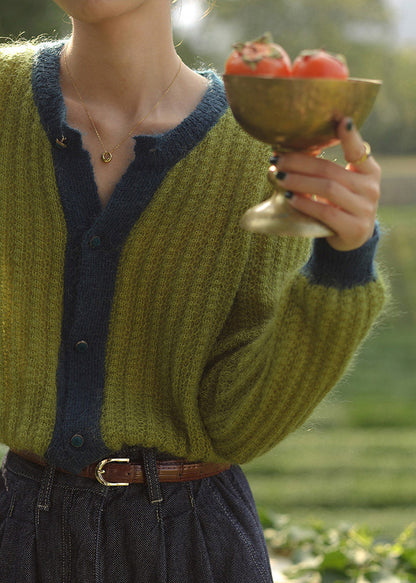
x: 95, y: 242
x: 81, y: 346
x: 77, y: 440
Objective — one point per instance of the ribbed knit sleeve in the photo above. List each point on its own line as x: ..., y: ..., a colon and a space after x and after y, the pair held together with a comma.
x: 287, y: 342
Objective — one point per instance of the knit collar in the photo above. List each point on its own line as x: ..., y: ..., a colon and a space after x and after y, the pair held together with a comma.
x: 159, y: 149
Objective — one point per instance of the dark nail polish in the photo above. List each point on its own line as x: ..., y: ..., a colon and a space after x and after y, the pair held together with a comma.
x: 274, y: 160
x: 349, y: 125
x: 288, y: 194
x: 281, y: 175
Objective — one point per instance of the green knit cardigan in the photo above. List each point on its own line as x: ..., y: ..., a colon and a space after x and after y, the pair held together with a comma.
x: 220, y: 342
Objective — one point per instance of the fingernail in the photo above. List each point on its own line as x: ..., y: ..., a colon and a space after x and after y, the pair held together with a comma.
x: 289, y: 194
x: 274, y: 160
x: 281, y: 175
x: 349, y: 125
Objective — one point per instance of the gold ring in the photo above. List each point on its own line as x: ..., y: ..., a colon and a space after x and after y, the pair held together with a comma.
x: 365, y: 156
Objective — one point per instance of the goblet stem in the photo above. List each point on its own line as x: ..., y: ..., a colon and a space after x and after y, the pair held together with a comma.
x: 275, y: 216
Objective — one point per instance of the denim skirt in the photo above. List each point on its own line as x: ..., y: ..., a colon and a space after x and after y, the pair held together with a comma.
x: 61, y: 528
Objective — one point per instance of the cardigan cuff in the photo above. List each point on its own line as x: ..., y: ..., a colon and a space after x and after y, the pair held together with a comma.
x: 342, y: 269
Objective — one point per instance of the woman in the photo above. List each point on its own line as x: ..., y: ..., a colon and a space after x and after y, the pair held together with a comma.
x: 139, y: 322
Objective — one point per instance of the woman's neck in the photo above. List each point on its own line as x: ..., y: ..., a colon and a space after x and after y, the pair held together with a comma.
x: 125, y: 61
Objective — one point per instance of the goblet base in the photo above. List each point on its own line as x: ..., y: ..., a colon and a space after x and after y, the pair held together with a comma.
x: 275, y: 216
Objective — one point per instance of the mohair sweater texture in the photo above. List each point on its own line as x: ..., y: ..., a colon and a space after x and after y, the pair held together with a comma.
x: 157, y: 321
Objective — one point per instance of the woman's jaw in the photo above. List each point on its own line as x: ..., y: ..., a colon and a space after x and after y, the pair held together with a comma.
x: 99, y: 11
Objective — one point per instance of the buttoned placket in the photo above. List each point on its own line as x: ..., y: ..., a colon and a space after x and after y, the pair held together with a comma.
x: 95, y: 239
x: 94, y: 244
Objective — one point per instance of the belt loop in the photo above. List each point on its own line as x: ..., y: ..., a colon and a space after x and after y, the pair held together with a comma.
x: 44, y: 498
x: 152, y: 476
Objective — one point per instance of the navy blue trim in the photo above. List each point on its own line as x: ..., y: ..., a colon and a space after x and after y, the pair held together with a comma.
x: 342, y: 269
x: 95, y: 240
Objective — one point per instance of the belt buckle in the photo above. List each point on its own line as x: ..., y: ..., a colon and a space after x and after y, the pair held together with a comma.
x: 100, y: 470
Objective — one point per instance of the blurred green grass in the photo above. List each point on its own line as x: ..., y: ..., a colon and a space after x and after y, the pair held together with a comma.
x: 339, y: 475
x: 355, y: 459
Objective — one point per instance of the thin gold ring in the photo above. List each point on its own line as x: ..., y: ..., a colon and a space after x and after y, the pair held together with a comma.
x: 365, y: 156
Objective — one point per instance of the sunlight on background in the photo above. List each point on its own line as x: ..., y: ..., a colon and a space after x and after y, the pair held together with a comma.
x: 188, y: 15
x: 203, y: 32
x: 406, y: 20
x: 188, y: 19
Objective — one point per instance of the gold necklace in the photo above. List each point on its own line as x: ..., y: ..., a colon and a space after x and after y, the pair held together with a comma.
x: 107, y: 155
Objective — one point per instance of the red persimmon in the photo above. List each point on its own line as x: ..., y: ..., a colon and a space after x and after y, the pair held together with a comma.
x: 320, y: 63
x: 261, y: 57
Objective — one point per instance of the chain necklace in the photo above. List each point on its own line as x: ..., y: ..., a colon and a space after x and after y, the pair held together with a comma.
x: 107, y: 155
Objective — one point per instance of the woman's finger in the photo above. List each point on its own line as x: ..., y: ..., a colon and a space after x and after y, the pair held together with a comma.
x: 356, y: 152
x: 331, y: 190
x: 351, y: 231
x: 296, y: 163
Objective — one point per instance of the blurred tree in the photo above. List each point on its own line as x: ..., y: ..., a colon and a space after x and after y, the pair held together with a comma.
x: 393, y: 125
x: 336, y: 25
x: 28, y: 19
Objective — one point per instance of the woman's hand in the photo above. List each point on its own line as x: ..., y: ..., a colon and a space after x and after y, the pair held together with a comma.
x: 353, y: 192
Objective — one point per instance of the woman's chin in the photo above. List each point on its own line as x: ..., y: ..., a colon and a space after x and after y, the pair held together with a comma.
x: 98, y: 11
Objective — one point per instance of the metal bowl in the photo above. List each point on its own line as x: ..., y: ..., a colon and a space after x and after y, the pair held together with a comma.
x: 298, y: 114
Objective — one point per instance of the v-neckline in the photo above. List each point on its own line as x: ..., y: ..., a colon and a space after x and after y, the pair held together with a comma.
x: 154, y: 154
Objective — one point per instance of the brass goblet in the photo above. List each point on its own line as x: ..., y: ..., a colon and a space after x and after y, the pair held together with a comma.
x: 293, y: 114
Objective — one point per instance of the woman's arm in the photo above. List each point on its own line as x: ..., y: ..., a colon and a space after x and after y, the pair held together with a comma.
x: 294, y: 330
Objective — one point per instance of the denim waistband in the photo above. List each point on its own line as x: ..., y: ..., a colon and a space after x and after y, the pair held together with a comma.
x: 66, y: 528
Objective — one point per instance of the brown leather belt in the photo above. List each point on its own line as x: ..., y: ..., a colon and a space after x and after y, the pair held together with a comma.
x: 122, y: 472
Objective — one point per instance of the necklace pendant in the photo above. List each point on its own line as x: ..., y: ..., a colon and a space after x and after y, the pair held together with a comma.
x: 106, y: 157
